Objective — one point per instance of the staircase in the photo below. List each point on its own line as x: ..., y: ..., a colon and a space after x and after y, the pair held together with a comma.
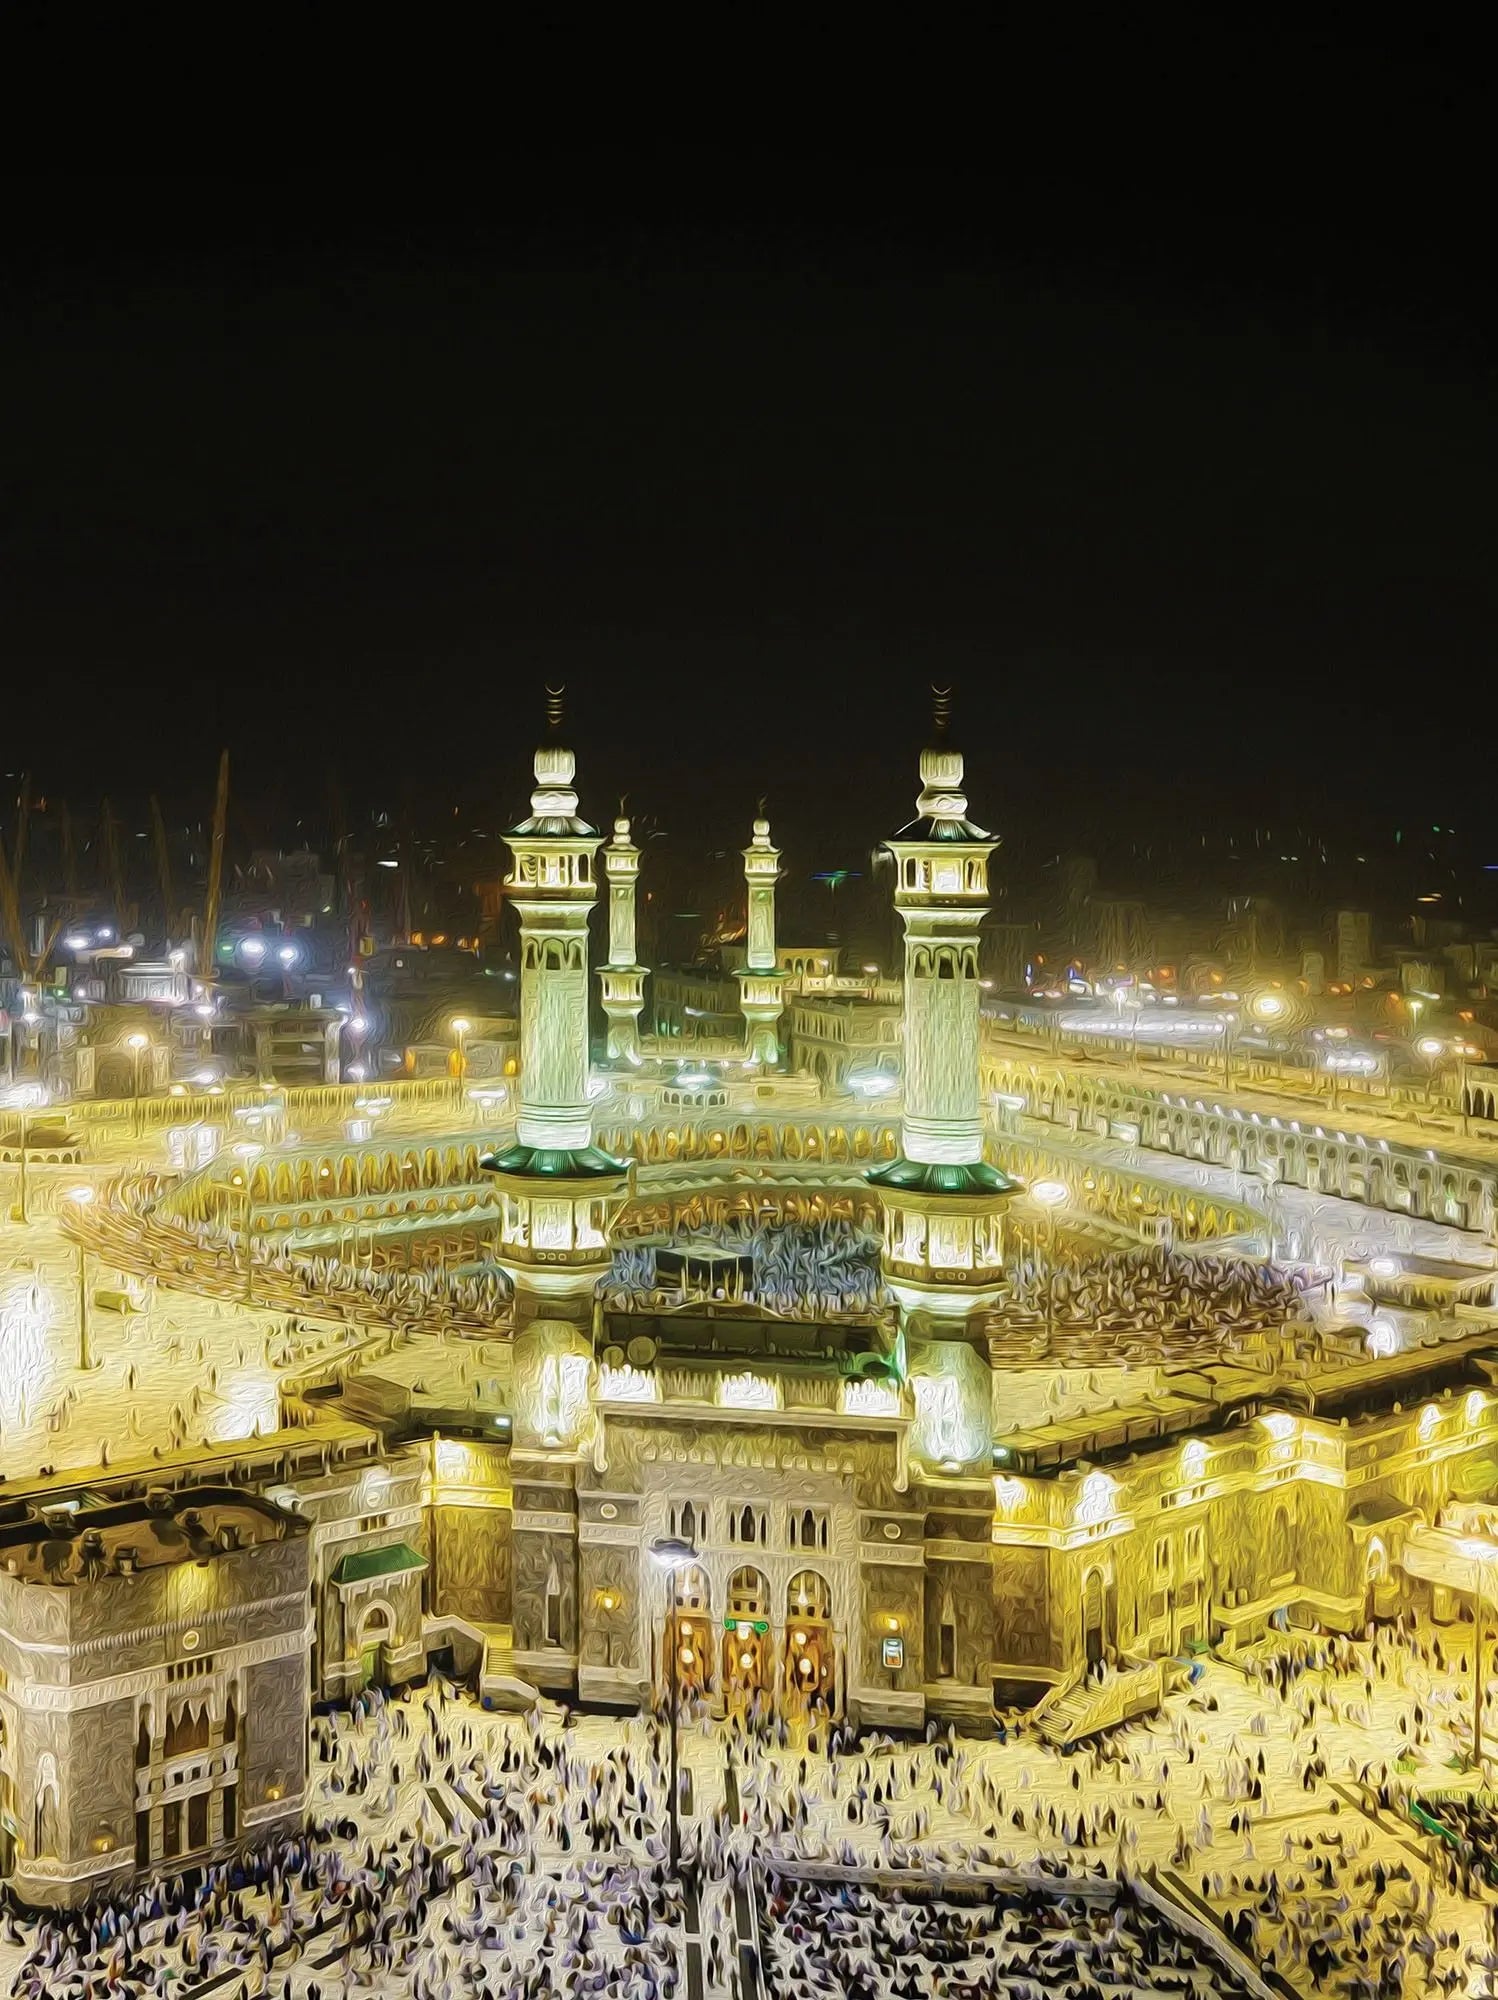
x: 1085, y: 1708
x: 485, y: 1651
x: 499, y: 1684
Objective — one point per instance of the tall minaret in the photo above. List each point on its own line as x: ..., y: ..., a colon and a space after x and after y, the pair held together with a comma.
x: 560, y: 1193
x: 623, y: 981
x: 943, y: 1232
x: 559, y: 1197
x: 761, y: 983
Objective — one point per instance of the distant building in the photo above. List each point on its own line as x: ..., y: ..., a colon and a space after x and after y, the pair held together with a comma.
x: 1354, y: 943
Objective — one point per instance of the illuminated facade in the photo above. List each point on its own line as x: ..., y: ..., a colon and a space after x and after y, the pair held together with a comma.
x: 923, y: 1507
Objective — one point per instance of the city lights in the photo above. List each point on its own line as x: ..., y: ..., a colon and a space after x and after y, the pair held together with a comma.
x: 806, y: 1311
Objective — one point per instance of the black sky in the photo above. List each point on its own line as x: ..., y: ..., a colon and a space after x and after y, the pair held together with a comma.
x: 1182, y: 473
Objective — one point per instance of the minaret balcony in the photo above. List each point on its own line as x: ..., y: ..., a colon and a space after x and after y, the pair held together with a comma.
x: 764, y: 990
x: 557, y: 1209
x: 623, y: 986
x: 943, y: 1223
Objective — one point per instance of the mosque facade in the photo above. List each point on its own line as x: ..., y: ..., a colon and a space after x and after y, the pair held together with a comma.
x: 901, y: 1505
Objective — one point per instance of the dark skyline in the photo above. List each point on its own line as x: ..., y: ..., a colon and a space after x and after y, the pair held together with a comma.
x: 1188, y: 494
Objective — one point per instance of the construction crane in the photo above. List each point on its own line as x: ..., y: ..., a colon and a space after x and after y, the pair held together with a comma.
x: 116, y: 868
x: 163, y: 869
x: 31, y: 965
x: 69, y: 854
x: 23, y: 827
x: 207, y: 968
x: 10, y: 916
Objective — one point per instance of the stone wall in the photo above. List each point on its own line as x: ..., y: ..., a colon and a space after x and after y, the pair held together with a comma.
x: 275, y: 1742
x: 473, y: 1563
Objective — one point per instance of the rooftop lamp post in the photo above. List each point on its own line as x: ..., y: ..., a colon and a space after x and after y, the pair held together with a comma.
x: 1050, y: 1195
x: 80, y: 1198
x: 460, y: 1028
x: 23, y: 1143
x: 1268, y: 1007
x: 358, y: 1028
x: 1481, y: 1557
x: 673, y: 1554
x: 137, y: 1045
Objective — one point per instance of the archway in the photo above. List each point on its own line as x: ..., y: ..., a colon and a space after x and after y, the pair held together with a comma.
x: 375, y: 1629
x: 746, y: 1636
x: 690, y: 1631
x: 1097, y: 1635
x: 810, y: 1646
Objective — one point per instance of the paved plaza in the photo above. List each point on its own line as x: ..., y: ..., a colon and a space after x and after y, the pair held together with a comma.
x: 453, y: 1850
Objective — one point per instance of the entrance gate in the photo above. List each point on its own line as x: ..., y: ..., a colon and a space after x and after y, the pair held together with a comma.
x: 746, y: 1635
x: 810, y: 1645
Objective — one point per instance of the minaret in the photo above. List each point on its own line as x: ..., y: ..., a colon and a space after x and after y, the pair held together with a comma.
x: 560, y: 1194
x: 761, y: 983
x: 943, y: 1231
x: 623, y: 981
x: 559, y: 1199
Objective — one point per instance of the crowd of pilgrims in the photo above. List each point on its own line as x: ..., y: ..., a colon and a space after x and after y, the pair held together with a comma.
x: 450, y: 1854
x: 842, y: 1939
x: 818, y: 1269
x: 827, y: 1268
x: 1155, y: 1289
x: 426, y: 1297
x: 470, y: 1301
x: 542, y: 1873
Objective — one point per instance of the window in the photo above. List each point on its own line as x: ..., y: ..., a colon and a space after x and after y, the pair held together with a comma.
x: 171, y: 1830
x: 1162, y: 1558
x: 1194, y: 1546
x: 689, y: 1520
x: 807, y: 1528
x: 187, y: 1731
x: 946, y: 1668
x: 552, y: 1633
x: 748, y: 1526
x: 190, y: 1670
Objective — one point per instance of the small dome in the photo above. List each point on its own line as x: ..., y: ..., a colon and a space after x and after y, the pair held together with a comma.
x: 621, y: 829
x: 761, y: 829
x: 554, y: 765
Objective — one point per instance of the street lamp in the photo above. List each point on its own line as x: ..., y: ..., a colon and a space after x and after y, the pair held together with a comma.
x: 1482, y: 1555
x: 1120, y: 1001
x: 673, y: 1554
x: 23, y: 1142
x: 358, y: 1027
x: 460, y: 1029
x: 1229, y: 1036
x: 1430, y: 1048
x: 81, y: 1197
x: 137, y: 1045
x: 1050, y: 1195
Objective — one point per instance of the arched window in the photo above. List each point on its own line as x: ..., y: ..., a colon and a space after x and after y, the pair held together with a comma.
x: 552, y: 1632
x: 748, y: 1594
x: 808, y: 1597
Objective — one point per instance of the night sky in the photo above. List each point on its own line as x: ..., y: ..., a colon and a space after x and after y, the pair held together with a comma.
x: 1184, y: 479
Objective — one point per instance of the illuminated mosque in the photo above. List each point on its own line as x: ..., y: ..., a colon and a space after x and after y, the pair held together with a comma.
x: 935, y: 1419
